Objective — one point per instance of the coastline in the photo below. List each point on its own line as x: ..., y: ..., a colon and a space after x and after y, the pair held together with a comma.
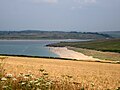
x: 64, y: 52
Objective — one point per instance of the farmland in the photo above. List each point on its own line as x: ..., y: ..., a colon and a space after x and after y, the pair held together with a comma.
x: 83, y: 75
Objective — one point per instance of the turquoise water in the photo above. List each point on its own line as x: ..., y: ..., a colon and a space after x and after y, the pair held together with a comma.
x: 29, y: 47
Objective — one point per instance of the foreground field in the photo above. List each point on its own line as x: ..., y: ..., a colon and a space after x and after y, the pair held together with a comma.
x: 94, y: 75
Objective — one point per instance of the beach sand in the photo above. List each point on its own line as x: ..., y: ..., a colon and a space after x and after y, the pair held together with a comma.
x: 63, y: 52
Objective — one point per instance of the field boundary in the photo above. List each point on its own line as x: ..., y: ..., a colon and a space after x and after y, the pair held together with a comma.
x: 99, y: 61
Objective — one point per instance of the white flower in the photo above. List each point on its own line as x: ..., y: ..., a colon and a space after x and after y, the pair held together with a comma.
x: 37, y: 84
x: 31, y: 76
x: 35, y: 81
x: 23, y: 83
x: 9, y: 75
x: 20, y: 75
x: 26, y: 77
x: 48, y: 83
x: 117, y: 61
x: 4, y: 87
x: 3, y: 79
x: 14, y: 79
x: 92, y: 84
x: 32, y: 81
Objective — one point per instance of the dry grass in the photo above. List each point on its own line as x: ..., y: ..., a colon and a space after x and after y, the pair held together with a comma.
x: 95, y: 75
x: 98, y: 54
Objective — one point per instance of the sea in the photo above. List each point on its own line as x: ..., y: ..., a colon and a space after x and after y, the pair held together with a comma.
x: 30, y: 47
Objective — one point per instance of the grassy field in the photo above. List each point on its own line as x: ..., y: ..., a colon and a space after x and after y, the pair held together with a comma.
x: 24, y: 73
x: 112, y: 45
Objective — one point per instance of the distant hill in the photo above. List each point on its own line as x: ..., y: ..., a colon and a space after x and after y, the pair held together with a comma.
x: 115, y: 34
x: 35, y: 34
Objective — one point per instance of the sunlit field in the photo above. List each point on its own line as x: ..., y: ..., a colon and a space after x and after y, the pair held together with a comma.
x: 56, y: 74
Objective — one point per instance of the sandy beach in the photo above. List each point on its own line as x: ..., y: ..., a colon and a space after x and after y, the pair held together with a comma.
x: 63, y: 52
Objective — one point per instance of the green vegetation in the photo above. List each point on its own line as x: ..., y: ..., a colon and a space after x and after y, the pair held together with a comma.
x: 111, y: 45
x: 33, y: 34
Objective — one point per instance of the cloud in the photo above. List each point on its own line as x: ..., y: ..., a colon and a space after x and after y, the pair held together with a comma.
x: 42, y: 1
x: 74, y: 7
x: 46, y: 1
x: 90, y: 1
x: 82, y: 3
x: 85, y: 1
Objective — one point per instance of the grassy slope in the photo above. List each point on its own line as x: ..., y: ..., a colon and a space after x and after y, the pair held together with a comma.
x: 102, y: 45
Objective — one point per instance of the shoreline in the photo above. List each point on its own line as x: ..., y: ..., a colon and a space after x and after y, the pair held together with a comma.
x: 64, y: 52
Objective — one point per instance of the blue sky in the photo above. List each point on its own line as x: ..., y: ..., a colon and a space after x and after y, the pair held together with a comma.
x: 64, y: 15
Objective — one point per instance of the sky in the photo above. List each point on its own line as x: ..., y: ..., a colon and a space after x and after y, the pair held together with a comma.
x: 60, y: 15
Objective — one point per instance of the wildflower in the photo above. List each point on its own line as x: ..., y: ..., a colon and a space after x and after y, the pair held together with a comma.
x: 32, y: 76
x: 20, y: 75
x: 23, y: 83
x: 37, y: 84
x: 35, y: 81
x: 14, y: 79
x: 27, y: 85
x: 92, y: 84
x: 118, y: 88
x: 26, y: 77
x: 5, y: 87
x: 117, y: 61
x: 3, y: 79
x: 9, y: 75
x: 32, y: 81
x: 48, y: 83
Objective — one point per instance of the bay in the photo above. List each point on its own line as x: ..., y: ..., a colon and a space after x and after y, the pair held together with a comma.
x: 30, y: 47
